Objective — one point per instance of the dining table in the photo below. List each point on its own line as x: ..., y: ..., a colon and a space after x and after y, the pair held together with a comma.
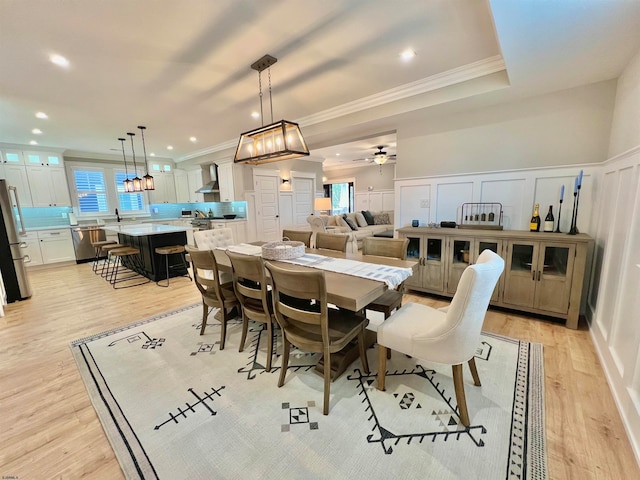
x: 343, y: 290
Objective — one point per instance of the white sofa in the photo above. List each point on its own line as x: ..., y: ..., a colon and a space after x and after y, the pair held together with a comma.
x: 336, y: 224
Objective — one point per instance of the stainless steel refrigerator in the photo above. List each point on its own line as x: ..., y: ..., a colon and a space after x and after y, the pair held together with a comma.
x: 12, y: 264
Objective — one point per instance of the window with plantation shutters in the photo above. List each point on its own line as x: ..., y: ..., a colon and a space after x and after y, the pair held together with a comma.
x: 129, y: 202
x: 91, y: 191
x: 99, y: 190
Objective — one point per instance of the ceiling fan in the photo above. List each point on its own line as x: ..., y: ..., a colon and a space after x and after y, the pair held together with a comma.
x: 381, y: 157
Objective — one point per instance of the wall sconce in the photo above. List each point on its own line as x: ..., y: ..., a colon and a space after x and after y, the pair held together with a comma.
x: 286, y: 180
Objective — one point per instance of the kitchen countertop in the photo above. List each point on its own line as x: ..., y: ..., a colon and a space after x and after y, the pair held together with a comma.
x: 144, y: 229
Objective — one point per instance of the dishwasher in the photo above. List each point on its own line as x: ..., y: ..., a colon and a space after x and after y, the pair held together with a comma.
x: 83, y: 237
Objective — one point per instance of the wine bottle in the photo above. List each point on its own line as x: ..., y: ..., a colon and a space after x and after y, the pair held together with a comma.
x: 534, y: 226
x: 548, y: 220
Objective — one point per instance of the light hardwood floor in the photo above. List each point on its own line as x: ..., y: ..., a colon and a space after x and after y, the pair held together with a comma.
x: 48, y: 428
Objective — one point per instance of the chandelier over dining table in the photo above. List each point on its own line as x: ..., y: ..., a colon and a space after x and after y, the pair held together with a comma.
x: 277, y: 141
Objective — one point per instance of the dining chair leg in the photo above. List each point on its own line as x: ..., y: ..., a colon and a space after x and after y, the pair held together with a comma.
x: 223, y: 329
x: 269, y: 345
x: 382, y: 365
x: 327, y: 380
x: 245, y: 329
x: 285, y: 360
x: 458, y: 384
x: 474, y: 372
x: 363, y: 352
x: 205, y: 314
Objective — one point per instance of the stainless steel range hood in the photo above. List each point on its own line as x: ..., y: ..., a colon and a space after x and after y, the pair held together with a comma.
x: 210, y: 177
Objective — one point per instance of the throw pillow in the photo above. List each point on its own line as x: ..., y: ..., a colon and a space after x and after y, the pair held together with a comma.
x: 360, y: 219
x: 341, y: 222
x: 381, y: 219
x: 351, y: 222
x: 368, y: 216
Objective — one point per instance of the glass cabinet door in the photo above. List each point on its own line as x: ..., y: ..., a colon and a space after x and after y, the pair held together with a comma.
x: 496, y: 247
x: 433, y: 268
x: 553, y: 277
x: 414, y: 252
x: 520, y: 273
x: 459, y: 254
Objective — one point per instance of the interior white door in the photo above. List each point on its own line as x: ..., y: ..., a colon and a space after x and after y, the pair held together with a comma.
x: 286, y: 210
x: 267, y: 212
x: 303, y: 199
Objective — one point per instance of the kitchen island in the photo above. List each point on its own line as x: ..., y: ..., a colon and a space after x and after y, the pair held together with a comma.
x: 147, y: 237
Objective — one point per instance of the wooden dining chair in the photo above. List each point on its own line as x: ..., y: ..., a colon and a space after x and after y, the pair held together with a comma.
x: 332, y: 241
x: 214, y: 292
x: 390, y: 300
x: 250, y: 284
x: 298, y: 236
x: 320, y: 329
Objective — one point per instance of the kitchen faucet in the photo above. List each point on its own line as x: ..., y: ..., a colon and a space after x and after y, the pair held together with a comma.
x: 118, y: 216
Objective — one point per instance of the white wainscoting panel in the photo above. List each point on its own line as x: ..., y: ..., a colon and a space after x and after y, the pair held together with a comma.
x: 510, y: 194
x: 412, y: 203
x: 615, y: 280
x: 449, y: 200
x: 625, y: 335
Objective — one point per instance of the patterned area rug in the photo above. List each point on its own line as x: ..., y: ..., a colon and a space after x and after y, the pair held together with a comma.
x: 175, y: 406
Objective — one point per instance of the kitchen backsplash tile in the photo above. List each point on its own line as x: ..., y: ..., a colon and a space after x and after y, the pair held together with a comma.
x: 39, y: 217
x: 35, y: 218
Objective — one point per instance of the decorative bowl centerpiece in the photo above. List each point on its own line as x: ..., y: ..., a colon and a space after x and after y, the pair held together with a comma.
x: 283, y: 250
x: 229, y: 216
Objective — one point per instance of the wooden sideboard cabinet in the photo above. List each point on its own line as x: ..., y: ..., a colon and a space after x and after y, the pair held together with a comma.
x: 544, y: 272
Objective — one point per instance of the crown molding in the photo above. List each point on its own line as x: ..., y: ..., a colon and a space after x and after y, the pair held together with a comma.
x: 461, y: 74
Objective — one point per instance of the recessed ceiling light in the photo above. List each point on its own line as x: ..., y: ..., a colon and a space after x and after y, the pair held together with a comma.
x: 42, y: 115
x: 169, y: 147
x: 152, y: 154
x: 337, y: 154
x: 59, y: 60
x: 36, y: 131
x: 33, y: 142
x: 193, y: 139
x: 255, y: 115
x: 408, y: 54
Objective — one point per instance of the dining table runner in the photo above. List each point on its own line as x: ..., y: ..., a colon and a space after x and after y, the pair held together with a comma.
x: 392, y: 276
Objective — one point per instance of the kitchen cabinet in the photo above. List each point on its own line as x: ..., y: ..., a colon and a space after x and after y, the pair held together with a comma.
x: 48, y: 186
x: 16, y: 176
x: 31, y: 249
x: 43, y: 159
x: 182, y: 186
x: 56, y: 245
x: 12, y: 157
x: 165, y: 188
x: 194, y: 181
x: 544, y: 272
x: 187, y: 182
x: 229, y: 183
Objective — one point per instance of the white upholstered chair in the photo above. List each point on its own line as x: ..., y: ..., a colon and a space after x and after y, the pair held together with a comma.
x: 449, y: 335
x: 214, y: 238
